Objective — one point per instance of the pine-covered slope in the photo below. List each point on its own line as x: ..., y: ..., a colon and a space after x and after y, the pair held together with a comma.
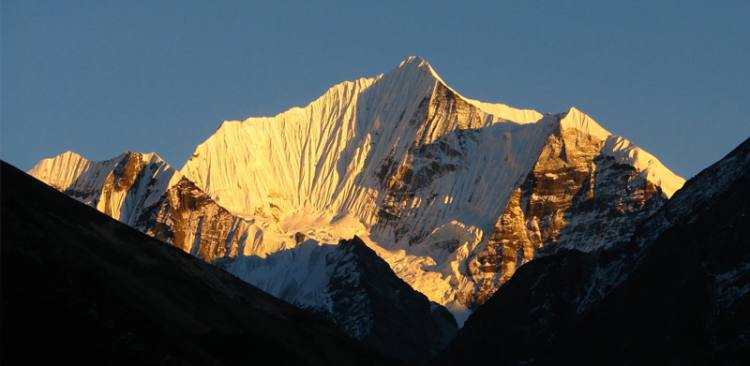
x: 81, y: 288
x: 677, y: 293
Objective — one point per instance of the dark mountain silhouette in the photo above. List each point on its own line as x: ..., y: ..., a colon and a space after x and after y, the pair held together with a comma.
x: 679, y: 293
x: 79, y: 287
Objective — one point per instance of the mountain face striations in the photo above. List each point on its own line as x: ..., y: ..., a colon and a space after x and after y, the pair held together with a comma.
x: 453, y: 193
x: 347, y: 283
x: 426, y: 177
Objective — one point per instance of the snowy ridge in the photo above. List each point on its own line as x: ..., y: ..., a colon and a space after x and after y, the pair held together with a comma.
x: 299, y: 276
x: 335, y: 155
x: 63, y: 170
x: 625, y: 152
x: 325, y: 144
x: 356, y: 289
x: 420, y: 172
x: 500, y: 112
x: 684, y: 278
x: 120, y: 187
x: 346, y: 283
x: 424, y: 176
x: 72, y: 173
x: 699, y: 192
x: 650, y: 167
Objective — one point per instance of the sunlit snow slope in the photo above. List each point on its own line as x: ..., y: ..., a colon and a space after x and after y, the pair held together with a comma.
x: 121, y: 187
x: 455, y: 194
x: 428, y: 178
x: 346, y: 282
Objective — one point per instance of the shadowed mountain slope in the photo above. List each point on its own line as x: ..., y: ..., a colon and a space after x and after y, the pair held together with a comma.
x: 679, y: 293
x: 78, y: 286
x: 453, y: 193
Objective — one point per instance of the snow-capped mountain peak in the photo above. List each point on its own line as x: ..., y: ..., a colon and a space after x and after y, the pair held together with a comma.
x: 452, y: 192
x: 423, y: 174
x: 120, y: 187
x: 624, y: 151
x: 580, y: 121
x: 416, y: 66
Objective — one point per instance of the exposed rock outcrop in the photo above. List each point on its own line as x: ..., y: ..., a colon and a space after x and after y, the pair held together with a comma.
x: 676, y: 293
x: 455, y: 194
x: 575, y: 197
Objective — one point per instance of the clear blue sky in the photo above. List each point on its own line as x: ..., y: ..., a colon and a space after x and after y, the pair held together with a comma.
x: 101, y: 77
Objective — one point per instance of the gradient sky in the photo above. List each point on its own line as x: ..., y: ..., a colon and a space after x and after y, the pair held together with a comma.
x: 101, y: 77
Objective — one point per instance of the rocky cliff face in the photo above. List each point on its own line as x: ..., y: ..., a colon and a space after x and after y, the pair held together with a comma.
x: 364, y: 279
x: 80, y: 288
x: 355, y: 288
x: 575, y: 197
x: 121, y: 187
x: 677, y: 292
x: 143, y: 191
x: 193, y: 222
x: 453, y: 193
x: 347, y: 283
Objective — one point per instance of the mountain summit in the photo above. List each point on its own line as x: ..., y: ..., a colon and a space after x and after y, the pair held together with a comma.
x: 426, y: 172
x: 453, y: 193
